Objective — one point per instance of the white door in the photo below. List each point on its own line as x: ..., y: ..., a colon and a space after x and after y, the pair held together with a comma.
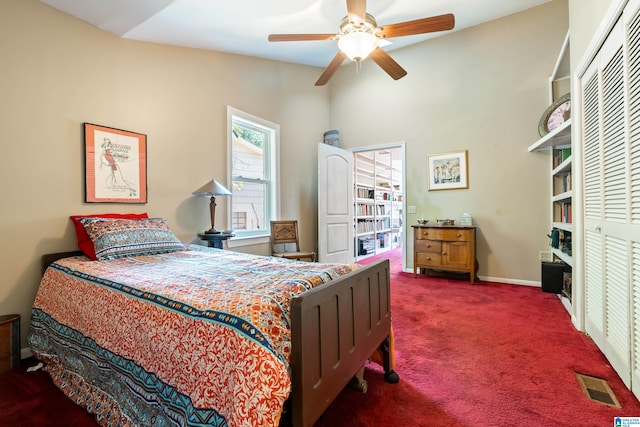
x: 609, y: 230
x: 335, y: 205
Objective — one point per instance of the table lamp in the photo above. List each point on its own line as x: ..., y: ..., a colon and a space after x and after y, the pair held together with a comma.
x: 212, y: 189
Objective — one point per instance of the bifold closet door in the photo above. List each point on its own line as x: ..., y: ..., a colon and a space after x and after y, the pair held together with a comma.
x: 605, y: 155
x: 632, y: 24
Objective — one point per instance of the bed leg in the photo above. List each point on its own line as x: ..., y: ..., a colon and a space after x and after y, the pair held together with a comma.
x: 390, y: 375
x: 358, y: 382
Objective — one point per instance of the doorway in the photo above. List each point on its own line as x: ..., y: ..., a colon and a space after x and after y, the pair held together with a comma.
x: 379, y: 193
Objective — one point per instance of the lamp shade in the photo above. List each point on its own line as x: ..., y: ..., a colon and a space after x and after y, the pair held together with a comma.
x: 357, y: 45
x: 212, y: 188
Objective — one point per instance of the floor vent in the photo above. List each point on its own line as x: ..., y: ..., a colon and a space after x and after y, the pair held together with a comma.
x: 598, y: 390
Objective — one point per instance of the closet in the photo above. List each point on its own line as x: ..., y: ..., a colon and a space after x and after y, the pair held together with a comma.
x: 609, y: 135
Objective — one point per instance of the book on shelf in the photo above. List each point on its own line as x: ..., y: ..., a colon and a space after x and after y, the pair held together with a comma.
x: 565, y: 212
x: 561, y: 154
x: 364, y: 193
x: 566, y: 182
x: 365, y: 226
x: 364, y: 209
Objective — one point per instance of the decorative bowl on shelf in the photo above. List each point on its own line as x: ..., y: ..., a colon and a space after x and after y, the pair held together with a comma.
x: 423, y: 221
x: 444, y: 221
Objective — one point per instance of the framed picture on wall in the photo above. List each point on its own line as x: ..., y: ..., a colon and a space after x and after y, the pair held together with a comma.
x: 115, y: 165
x: 448, y: 171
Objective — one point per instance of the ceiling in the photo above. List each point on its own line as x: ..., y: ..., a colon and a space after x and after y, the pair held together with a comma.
x: 242, y: 26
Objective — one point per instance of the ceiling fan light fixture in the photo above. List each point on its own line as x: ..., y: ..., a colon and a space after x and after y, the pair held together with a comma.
x: 357, y: 45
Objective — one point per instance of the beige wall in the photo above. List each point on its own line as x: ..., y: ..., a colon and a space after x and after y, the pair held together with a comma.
x: 483, y: 90
x: 58, y: 72
x: 584, y: 18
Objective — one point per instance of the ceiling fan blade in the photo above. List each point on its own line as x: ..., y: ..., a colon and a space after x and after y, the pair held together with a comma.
x: 331, y: 68
x: 299, y: 37
x: 357, y: 10
x: 419, y: 26
x: 388, y: 64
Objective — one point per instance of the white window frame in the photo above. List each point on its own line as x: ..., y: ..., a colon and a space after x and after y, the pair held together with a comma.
x: 245, y: 238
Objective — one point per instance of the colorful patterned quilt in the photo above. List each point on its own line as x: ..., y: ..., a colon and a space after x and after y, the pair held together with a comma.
x: 191, y: 338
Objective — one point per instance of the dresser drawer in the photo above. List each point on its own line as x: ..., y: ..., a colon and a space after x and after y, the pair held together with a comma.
x: 430, y: 246
x: 446, y: 234
x: 425, y: 259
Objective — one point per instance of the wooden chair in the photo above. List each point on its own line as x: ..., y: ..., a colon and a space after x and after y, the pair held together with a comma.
x: 284, y: 234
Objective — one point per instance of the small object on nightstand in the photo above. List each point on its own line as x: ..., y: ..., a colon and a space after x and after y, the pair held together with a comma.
x: 215, y: 240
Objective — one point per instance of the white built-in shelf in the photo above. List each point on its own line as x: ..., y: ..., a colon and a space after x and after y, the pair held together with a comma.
x: 563, y: 256
x: 564, y: 167
x: 566, y: 196
x: 560, y: 137
x: 565, y: 226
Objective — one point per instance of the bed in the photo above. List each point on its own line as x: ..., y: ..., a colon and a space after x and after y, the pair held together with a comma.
x: 207, y: 337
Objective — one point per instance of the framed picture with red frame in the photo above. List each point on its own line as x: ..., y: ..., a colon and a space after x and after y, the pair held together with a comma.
x: 115, y: 165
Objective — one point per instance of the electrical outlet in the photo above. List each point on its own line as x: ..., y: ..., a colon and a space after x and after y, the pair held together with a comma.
x: 544, y: 256
x: 411, y: 209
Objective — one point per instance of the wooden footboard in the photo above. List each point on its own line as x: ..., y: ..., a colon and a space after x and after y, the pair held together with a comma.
x: 334, y: 329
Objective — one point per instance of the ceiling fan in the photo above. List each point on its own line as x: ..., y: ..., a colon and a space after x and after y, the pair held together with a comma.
x: 359, y: 35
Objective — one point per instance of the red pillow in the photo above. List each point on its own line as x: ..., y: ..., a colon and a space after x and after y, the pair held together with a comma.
x: 84, y: 241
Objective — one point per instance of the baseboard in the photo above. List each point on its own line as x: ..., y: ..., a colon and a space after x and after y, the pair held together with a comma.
x: 25, y: 353
x: 498, y: 280
x: 510, y: 281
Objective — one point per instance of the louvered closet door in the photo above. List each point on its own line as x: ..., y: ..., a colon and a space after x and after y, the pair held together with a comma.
x: 608, y: 297
x: 632, y: 23
x: 616, y: 290
x: 592, y: 161
x: 610, y: 125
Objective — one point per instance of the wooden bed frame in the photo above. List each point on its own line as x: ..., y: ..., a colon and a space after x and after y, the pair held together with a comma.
x: 335, y: 328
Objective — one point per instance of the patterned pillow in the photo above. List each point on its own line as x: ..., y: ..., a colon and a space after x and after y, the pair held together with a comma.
x: 117, y: 237
x: 84, y: 241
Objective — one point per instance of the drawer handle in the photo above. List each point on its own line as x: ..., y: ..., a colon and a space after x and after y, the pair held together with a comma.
x: 428, y: 258
x: 458, y: 235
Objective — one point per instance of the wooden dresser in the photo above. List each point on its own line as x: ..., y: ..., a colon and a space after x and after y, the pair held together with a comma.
x: 445, y: 248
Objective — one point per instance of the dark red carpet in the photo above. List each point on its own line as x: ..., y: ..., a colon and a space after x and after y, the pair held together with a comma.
x: 484, y: 355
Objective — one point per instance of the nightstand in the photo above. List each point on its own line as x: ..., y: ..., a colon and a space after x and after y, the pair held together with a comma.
x: 9, y: 341
x: 215, y: 240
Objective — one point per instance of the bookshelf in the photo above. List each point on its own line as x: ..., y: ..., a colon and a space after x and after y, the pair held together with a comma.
x: 558, y: 144
x: 378, y: 202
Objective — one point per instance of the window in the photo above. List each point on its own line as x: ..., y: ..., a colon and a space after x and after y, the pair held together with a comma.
x: 253, y: 153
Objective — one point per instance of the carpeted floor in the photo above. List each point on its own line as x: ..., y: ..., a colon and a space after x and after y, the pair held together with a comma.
x: 484, y: 355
